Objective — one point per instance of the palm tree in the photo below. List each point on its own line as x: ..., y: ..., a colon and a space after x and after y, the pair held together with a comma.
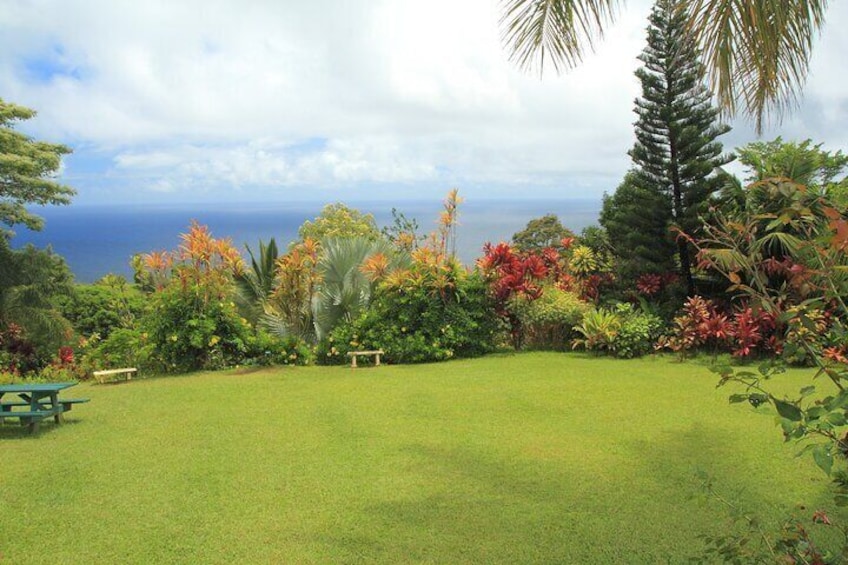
x: 757, y: 52
x: 256, y: 284
x: 345, y: 289
x: 29, y: 279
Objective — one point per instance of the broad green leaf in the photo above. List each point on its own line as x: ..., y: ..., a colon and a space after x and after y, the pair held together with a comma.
x: 815, y: 413
x: 823, y: 458
x: 836, y: 418
x: 788, y: 410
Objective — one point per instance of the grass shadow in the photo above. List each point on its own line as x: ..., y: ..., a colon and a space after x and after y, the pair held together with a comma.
x: 490, y: 509
x: 9, y: 431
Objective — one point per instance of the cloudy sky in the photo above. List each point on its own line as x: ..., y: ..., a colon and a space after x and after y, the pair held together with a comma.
x: 213, y: 100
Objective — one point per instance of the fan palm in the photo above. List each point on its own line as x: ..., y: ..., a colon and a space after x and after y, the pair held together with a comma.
x: 345, y: 289
x: 757, y: 52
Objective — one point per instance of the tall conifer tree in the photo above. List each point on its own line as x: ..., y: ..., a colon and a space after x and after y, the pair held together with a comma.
x: 676, y: 154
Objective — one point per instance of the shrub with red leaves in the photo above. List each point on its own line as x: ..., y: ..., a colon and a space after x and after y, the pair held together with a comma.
x: 66, y: 356
x: 511, y: 274
x: 649, y: 284
x: 703, y: 324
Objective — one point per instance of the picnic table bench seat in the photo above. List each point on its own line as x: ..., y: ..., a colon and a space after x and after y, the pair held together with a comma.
x: 66, y: 403
x: 31, y: 418
x: 27, y: 414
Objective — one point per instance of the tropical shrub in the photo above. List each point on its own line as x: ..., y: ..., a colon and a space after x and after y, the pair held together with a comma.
x: 266, y: 349
x: 188, y: 334
x: 288, y: 309
x: 193, y: 322
x: 31, y: 328
x: 623, y: 331
x: 99, y: 308
x: 548, y: 321
x: 637, y: 333
x: 703, y: 325
x: 345, y: 287
x: 784, y: 251
x: 414, y: 321
x: 254, y: 285
x: 511, y: 275
x: 124, y: 347
x: 597, y: 330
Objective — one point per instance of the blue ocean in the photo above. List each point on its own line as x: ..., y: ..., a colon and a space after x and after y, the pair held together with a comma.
x: 101, y: 239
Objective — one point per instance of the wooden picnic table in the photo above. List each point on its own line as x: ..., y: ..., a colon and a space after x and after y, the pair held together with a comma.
x: 36, y: 401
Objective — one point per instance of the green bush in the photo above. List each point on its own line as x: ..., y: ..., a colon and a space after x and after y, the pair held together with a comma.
x: 415, y: 325
x: 188, y: 336
x: 266, y: 349
x: 548, y: 321
x: 124, y: 347
x: 597, y: 330
x: 638, y: 332
x: 622, y: 331
x: 98, y: 308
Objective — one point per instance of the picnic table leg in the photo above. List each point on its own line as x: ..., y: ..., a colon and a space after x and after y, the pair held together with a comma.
x: 59, y: 417
x: 31, y: 424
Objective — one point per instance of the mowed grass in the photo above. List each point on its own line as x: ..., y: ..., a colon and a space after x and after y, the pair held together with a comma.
x: 527, y: 458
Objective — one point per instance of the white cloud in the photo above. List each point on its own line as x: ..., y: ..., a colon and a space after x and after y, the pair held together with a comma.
x: 222, y: 95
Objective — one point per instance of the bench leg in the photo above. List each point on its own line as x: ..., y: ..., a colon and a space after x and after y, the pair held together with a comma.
x: 353, y: 361
x: 377, y: 360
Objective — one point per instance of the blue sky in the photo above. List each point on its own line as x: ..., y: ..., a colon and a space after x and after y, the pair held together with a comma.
x: 223, y: 101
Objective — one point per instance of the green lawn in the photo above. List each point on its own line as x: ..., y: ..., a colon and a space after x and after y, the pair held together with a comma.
x: 518, y: 458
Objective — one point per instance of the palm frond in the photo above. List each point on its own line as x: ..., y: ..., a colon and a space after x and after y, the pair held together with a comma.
x: 345, y: 289
x: 781, y: 243
x: 757, y: 53
x: 553, y: 30
x: 274, y: 324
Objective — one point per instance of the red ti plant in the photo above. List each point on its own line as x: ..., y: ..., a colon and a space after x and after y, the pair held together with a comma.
x: 511, y: 274
x: 66, y: 356
x: 751, y: 330
x: 651, y: 284
x: 699, y: 324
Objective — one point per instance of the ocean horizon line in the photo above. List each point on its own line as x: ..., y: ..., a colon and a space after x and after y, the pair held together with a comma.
x: 96, y: 240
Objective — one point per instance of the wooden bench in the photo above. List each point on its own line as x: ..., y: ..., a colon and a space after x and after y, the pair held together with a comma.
x: 354, y: 354
x: 101, y: 376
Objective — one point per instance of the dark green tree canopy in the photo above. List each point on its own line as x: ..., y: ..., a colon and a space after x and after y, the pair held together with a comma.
x: 676, y: 156
x: 27, y: 171
x: 540, y: 233
x: 636, y: 220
